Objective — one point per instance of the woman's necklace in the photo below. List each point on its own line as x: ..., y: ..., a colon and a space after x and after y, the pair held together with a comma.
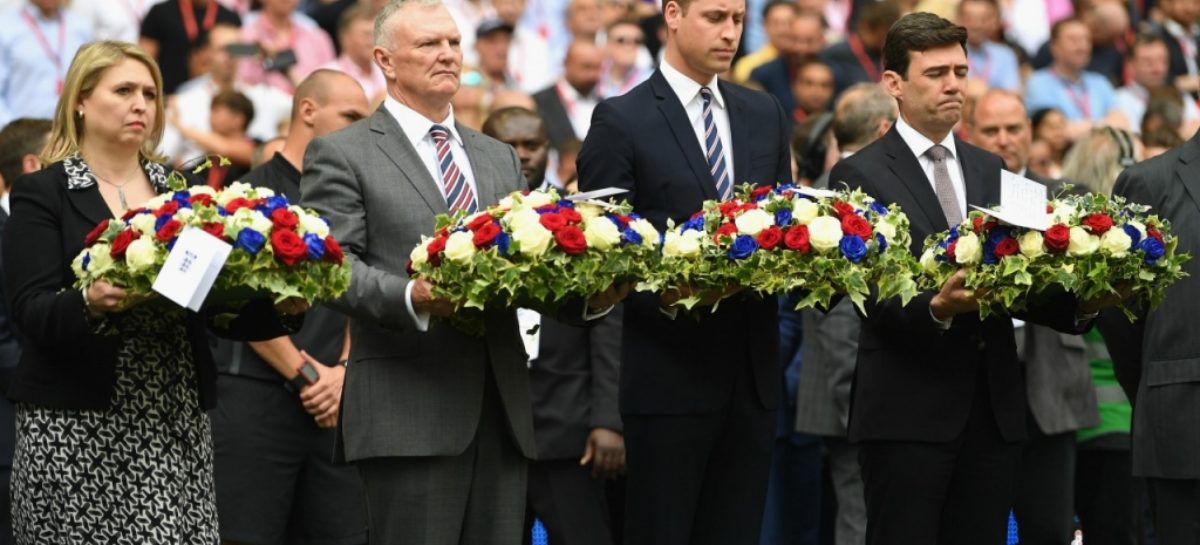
x: 120, y: 187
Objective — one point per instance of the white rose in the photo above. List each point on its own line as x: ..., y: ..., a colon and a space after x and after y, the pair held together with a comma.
x: 1062, y: 213
x: 969, y: 249
x: 601, y: 233
x: 420, y: 254
x: 264, y: 192
x: 825, y: 233
x: 156, y: 202
x: 887, y: 230
x: 1116, y: 242
x: 1082, y: 242
x: 234, y: 191
x: 141, y: 254
x: 647, y: 231
x: 671, y: 243
x: 751, y: 222
x: 589, y: 211
x: 459, y: 247
x: 1032, y: 245
x: 144, y: 223
x: 533, y: 239
x: 184, y: 214
x: 77, y: 265
x: 804, y: 210
x: 506, y: 202
x: 686, y: 244
x: 247, y: 217
x: 313, y: 224
x: 929, y: 263
x: 522, y: 218
x: 101, y: 258
x: 202, y: 190
x: 536, y: 199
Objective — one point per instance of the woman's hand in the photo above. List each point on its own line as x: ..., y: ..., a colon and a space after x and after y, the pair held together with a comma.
x: 102, y: 298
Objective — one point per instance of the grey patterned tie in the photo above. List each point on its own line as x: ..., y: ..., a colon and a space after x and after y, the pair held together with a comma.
x: 946, y: 195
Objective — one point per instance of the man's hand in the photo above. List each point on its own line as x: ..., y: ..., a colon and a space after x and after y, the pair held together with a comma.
x: 708, y: 298
x: 606, y: 452
x: 323, y: 397
x: 292, y: 305
x: 615, y: 293
x: 954, y: 298
x: 1092, y: 306
x: 424, y: 301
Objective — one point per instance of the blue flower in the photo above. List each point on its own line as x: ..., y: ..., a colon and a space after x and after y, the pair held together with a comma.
x: 998, y: 233
x: 1153, y: 249
x: 634, y: 216
x: 278, y: 201
x: 87, y: 258
x: 989, y: 253
x: 879, y: 208
x: 501, y: 241
x: 565, y: 204
x: 250, y: 240
x: 694, y: 224
x: 952, y: 237
x: 181, y: 197
x: 161, y: 221
x: 783, y: 217
x: 1135, y: 236
x: 630, y: 236
x: 784, y: 187
x: 882, y: 240
x: 853, y: 248
x: 316, y: 246
x: 743, y: 246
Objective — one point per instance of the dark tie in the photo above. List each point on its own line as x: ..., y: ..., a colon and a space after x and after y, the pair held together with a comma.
x: 458, y: 192
x: 946, y: 195
x: 714, y: 150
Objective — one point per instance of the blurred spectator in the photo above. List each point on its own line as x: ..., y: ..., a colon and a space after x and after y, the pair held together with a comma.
x: 327, y: 13
x: 493, y: 39
x: 584, y: 22
x: 616, y: 10
x: 1157, y: 142
x: 522, y: 129
x: 992, y: 62
x: 115, y: 19
x: 228, y: 118
x: 272, y: 107
x: 1083, y: 97
x: 1029, y: 21
x: 38, y: 39
x: 1148, y: 66
x: 777, y: 19
x: 1049, y: 129
x: 1164, y: 110
x: 814, y: 149
x: 529, y: 63
x: 621, y: 72
x: 813, y: 89
x: 859, y: 58
x: 836, y: 13
x: 1098, y: 158
x: 509, y: 98
x: 1180, y: 31
x: 778, y: 76
x: 173, y: 30
x: 567, y: 106
x: 1000, y: 124
x: 1108, y: 23
x: 562, y: 173
x: 356, y: 38
x: 291, y: 46
x: 469, y: 14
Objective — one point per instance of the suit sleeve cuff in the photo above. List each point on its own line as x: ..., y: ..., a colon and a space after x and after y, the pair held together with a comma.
x: 942, y: 325
x: 670, y: 312
x: 421, y: 319
x: 589, y: 314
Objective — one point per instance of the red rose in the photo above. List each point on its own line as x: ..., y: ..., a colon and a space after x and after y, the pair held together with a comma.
x: 1057, y: 238
x: 121, y: 242
x: 570, y: 239
x: 1049, y: 208
x: 333, y: 250
x: 1154, y: 233
x: 951, y: 249
x: 623, y: 220
x: 855, y: 225
x: 202, y: 199
x: 1007, y: 247
x: 981, y: 226
x: 168, y: 208
x: 796, y: 239
x: 570, y: 215
x: 1097, y: 223
x: 726, y: 230
x: 238, y: 204
x: 553, y: 221
x: 129, y: 214
x: 215, y: 228
x: 698, y: 214
x: 727, y: 208
x: 485, y: 234
x: 444, y: 232
x: 436, y: 246
x: 843, y: 208
x: 168, y: 230
x: 284, y: 218
x: 95, y: 233
x: 288, y: 246
x: 770, y: 237
x: 479, y: 221
x: 760, y: 191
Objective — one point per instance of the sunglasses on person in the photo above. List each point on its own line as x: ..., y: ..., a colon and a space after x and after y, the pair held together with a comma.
x: 627, y: 40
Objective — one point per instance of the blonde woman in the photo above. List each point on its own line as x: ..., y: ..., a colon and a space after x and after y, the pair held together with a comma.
x: 1096, y: 160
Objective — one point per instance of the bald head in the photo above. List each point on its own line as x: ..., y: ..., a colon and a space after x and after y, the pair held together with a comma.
x: 863, y: 113
x: 524, y: 130
x: 581, y: 66
x: 1000, y: 124
x: 328, y: 100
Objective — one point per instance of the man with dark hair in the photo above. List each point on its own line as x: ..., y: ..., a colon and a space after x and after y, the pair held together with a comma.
x: 1182, y: 36
x: 1085, y: 98
x: 938, y: 406
x: 812, y: 89
x: 777, y: 18
x: 524, y: 130
x: 778, y: 76
x: 1148, y: 66
x: 857, y: 59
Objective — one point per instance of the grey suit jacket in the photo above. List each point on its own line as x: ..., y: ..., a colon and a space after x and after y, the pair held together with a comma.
x: 827, y: 369
x: 1057, y: 379
x: 409, y: 393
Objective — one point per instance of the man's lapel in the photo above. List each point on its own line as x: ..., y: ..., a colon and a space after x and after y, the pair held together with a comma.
x: 979, y: 192
x: 739, y: 132
x: 1189, y: 168
x: 394, y: 144
x: 685, y: 137
x: 484, y: 171
x: 904, y: 165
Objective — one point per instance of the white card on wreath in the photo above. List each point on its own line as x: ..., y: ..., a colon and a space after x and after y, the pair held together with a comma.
x: 191, y: 268
x: 597, y: 194
x: 1022, y: 202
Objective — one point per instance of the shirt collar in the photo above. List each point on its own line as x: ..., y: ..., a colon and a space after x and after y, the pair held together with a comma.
x: 572, y: 95
x: 416, y: 126
x: 686, y: 88
x: 80, y: 177
x: 1179, y: 30
x: 918, y: 143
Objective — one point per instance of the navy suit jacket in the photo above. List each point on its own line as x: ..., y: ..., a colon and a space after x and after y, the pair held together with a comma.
x: 643, y: 142
x: 776, y: 78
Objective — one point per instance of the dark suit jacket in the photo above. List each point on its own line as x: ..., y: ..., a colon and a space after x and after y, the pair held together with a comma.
x: 10, y: 349
x: 573, y: 384
x: 64, y: 364
x: 914, y: 381
x: 776, y: 78
x: 1159, y: 355
x: 642, y: 141
x: 554, y: 116
x: 846, y: 69
x: 1177, y: 64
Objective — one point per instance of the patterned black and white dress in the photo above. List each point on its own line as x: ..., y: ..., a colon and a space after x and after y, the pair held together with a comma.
x: 138, y: 472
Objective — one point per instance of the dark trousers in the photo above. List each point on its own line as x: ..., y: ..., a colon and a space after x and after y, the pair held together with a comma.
x: 475, y: 498
x: 1176, y: 506
x: 946, y: 493
x: 1044, y: 499
x: 699, y: 479
x: 1106, y: 498
x: 8, y: 444
x: 570, y: 503
x: 793, y: 511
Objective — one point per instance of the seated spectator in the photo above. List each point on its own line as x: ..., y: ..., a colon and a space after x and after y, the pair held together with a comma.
x: 812, y: 89
x: 1098, y: 158
x: 1159, y: 141
x: 291, y: 46
x: 778, y: 76
x: 1182, y: 36
x: 529, y: 63
x: 38, y: 39
x: 620, y: 71
x: 1164, y: 110
x: 1148, y: 64
x: 229, y: 116
x: 356, y: 41
x: 174, y: 30
x: 566, y: 107
x: 777, y: 19
x: 469, y: 14
x: 493, y: 39
x: 1108, y: 23
x: 1049, y: 129
x: 1084, y: 98
x: 992, y: 62
x: 859, y: 58
x: 122, y: 22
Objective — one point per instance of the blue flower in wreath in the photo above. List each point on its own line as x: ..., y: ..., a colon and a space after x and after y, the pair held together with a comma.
x: 882, y: 240
x: 743, y: 246
x: 274, y: 202
x: 161, y: 221
x: 998, y: 233
x: 694, y: 224
x: 181, y: 197
x: 564, y: 203
x: 853, y: 248
x: 1153, y: 249
x: 630, y: 236
x: 87, y: 258
x: 316, y: 246
x: 250, y: 240
x: 1135, y: 236
x: 783, y: 217
x: 501, y: 242
x: 879, y: 208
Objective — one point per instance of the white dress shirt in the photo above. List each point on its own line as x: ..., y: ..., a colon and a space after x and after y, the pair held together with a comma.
x: 688, y: 92
x: 579, y: 108
x: 919, y: 144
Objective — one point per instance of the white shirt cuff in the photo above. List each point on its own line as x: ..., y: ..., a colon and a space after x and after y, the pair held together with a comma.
x: 588, y: 315
x: 670, y: 312
x: 940, y: 324
x: 419, y: 318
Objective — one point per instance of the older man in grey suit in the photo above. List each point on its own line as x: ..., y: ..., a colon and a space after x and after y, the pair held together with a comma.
x: 437, y: 421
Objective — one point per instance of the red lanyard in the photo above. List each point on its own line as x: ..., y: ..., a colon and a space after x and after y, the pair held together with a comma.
x: 867, y: 64
x: 189, y: 18
x: 55, y: 56
x: 568, y: 103
x: 1080, y: 99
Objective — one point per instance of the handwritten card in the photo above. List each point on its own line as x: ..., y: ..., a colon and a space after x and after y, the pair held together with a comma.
x: 1022, y: 202
x: 191, y: 268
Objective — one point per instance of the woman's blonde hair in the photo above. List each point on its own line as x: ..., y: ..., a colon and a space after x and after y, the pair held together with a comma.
x: 1098, y: 158
x: 88, y: 66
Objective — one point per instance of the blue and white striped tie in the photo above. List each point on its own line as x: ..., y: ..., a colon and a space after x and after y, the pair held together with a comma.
x: 714, y: 150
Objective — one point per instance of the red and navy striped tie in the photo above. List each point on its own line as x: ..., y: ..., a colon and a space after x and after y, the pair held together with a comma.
x: 714, y: 151
x: 458, y: 192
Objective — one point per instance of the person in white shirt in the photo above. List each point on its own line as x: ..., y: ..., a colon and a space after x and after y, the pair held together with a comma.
x: 567, y: 105
x: 114, y: 19
x: 356, y: 30
x: 529, y: 64
x: 621, y: 71
x: 1149, y: 66
x: 38, y: 39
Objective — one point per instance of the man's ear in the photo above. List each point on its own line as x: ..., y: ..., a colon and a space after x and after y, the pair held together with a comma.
x: 891, y: 84
x: 672, y: 12
x: 308, y: 111
x: 30, y: 163
x: 885, y: 125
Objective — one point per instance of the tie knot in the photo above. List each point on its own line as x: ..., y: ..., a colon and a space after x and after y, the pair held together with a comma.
x: 938, y: 153
x: 439, y: 133
x: 706, y: 94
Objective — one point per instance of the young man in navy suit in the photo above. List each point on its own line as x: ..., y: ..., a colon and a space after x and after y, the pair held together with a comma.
x: 697, y: 396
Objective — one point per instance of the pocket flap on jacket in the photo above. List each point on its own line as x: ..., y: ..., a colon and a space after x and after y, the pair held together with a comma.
x: 1163, y: 372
